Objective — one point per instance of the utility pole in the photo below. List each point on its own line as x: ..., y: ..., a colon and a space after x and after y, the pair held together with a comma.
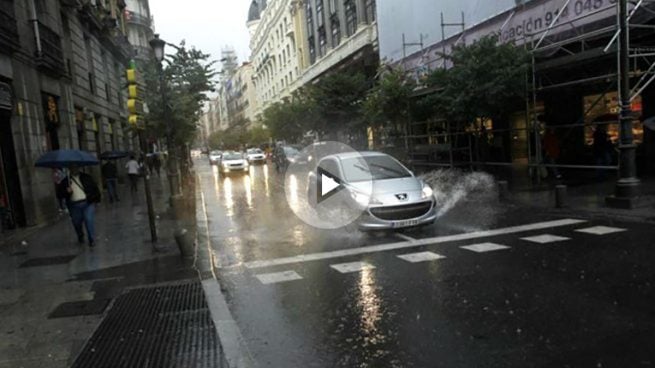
x: 627, y: 186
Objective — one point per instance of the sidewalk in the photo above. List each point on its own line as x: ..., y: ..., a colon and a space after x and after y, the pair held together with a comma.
x: 589, y: 199
x: 51, y: 269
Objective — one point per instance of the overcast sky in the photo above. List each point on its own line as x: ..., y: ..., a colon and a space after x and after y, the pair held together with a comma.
x: 210, y: 25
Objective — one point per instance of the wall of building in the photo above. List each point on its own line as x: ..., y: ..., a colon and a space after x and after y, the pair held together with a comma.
x: 54, y: 99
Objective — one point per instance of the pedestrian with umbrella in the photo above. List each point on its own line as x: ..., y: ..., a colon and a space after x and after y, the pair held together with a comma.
x: 78, y: 188
x: 110, y: 172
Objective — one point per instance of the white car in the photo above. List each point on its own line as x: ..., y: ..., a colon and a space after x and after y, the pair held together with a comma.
x: 255, y: 155
x: 215, y: 157
x: 234, y: 162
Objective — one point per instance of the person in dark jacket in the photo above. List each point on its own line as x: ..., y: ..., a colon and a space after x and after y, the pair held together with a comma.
x: 110, y: 174
x: 81, y: 193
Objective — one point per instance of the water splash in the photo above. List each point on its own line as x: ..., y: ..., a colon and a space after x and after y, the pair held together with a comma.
x: 453, y: 188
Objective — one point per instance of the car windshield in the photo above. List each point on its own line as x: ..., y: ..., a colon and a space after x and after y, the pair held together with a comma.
x: 232, y: 156
x: 215, y: 153
x: 253, y: 151
x: 373, y: 167
x: 290, y: 151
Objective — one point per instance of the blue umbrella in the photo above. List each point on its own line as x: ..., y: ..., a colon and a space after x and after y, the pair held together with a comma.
x: 66, y: 158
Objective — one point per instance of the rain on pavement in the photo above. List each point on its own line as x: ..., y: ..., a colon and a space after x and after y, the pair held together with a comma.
x: 488, y: 285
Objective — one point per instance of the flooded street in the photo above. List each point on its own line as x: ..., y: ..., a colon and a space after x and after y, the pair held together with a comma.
x: 489, y: 284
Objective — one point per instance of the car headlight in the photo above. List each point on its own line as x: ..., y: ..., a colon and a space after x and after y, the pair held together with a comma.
x: 427, y: 192
x: 292, y: 160
x: 361, y: 198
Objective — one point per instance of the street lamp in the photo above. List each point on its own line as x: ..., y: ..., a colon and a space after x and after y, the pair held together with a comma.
x: 627, y: 186
x: 158, y: 45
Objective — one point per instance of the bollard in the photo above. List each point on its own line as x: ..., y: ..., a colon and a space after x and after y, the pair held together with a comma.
x: 185, y: 243
x: 560, y: 196
x: 503, y: 189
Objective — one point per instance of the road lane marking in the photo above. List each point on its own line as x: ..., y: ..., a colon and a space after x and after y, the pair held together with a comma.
x: 352, y: 267
x: 403, y: 245
x: 600, y: 230
x: 545, y: 238
x: 405, y: 237
x: 484, y: 247
x: 420, y: 257
x: 276, y: 277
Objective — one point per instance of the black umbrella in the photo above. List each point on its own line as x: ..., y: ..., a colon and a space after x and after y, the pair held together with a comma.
x: 66, y: 158
x: 113, y: 155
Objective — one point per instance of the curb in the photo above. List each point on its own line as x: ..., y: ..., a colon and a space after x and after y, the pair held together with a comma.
x: 234, y: 350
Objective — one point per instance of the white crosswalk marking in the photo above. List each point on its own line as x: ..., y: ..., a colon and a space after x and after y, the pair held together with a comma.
x: 600, y: 230
x: 545, y: 239
x: 484, y: 247
x: 273, y: 278
x: 352, y: 267
x: 420, y: 257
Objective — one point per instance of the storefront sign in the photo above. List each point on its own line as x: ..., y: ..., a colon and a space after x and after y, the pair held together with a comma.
x: 5, y: 97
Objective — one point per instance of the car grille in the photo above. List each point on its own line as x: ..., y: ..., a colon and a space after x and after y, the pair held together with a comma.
x: 236, y: 165
x: 404, y: 212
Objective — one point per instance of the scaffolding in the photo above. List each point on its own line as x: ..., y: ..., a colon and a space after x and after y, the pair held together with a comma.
x: 553, y: 50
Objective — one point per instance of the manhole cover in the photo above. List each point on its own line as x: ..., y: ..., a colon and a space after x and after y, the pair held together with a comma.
x: 161, y: 326
x: 47, y: 261
x: 81, y: 308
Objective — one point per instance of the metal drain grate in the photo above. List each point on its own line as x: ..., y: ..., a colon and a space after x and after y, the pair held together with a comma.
x: 163, y: 326
x: 81, y: 308
x: 47, y: 261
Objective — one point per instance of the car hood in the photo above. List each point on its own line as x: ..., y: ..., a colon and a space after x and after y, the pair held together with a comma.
x: 234, y: 162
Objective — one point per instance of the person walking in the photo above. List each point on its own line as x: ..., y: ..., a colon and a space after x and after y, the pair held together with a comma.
x: 551, y: 152
x: 157, y: 163
x: 133, y: 171
x: 57, y: 176
x: 110, y: 174
x: 602, y: 147
x: 81, y: 193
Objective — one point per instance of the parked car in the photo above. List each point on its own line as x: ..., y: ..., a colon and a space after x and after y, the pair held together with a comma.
x: 215, y: 157
x: 255, y: 155
x: 283, y: 156
x: 397, y: 198
x: 233, y: 162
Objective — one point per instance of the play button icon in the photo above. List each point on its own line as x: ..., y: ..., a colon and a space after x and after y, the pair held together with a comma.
x: 328, y: 184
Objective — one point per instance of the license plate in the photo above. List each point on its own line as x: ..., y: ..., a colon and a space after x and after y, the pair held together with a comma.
x: 405, y: 223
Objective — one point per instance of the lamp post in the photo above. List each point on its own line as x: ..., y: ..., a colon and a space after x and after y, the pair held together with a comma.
x: 627, y: 186
x: 158, y: 45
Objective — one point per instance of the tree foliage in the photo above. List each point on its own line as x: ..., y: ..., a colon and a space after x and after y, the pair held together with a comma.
x: 389, y: 101
x: 485, y: 81
x: 187, y: 76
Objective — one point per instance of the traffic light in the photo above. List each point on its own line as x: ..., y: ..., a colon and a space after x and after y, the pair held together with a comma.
x: 135, y: 96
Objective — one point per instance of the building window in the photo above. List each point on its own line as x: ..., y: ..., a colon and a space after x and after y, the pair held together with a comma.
x: 351, y: 17
x: 92, y: 85
x: 336, y: 31
x: 322, y: 41
x: 369, y: 10
x: 320, y: 20
x: 312, y: 50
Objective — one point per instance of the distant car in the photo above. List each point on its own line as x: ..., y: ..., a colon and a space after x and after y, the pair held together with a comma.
x: 283, y: 156
x: 397, y: 200
x: 255, y: 155
x: 233, y: 162
x: 215, y: 157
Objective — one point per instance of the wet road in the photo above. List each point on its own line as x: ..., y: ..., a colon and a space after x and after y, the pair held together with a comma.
x: 487, y: 286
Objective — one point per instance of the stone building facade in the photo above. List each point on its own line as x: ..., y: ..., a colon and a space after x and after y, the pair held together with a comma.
x: 62, y: 66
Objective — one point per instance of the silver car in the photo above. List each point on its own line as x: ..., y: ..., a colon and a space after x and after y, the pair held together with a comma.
x: 389, y: 194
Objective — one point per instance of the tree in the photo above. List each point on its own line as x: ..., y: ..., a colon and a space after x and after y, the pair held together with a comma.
x: 485, y: 81
x: 337, y: 99
x: 187, y: 78
x: 387, y: 104
x: 290, y: 119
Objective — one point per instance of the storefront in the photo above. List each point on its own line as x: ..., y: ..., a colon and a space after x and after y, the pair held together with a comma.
x: 12, y: 212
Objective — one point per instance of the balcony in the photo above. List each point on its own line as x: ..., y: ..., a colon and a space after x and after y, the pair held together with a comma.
x: 49, y: 55
x: 8, y: 30
x: 135, y: 18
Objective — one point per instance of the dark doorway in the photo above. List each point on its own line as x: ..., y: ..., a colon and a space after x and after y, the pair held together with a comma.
x: 12, y: 211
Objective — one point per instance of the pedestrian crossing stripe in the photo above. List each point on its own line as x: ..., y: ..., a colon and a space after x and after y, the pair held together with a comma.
x: 601, y: 230
x: 276, y: 277
x: 484, y: 247
x: 545, y: 238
